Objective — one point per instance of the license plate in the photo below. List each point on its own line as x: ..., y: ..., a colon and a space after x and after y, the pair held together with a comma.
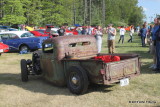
x: 1, y: 50
x: 124, y: 82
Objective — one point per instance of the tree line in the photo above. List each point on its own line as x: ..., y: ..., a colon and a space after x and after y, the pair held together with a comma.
x: 83, y: 12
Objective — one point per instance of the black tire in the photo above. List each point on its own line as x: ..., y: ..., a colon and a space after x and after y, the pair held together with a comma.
x: 36, y: 63
x: 24, y: 48
x: 77, y: 80
x: 24, y: 71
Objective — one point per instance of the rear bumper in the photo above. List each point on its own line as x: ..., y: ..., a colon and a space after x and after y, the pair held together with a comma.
x: 114, y: 80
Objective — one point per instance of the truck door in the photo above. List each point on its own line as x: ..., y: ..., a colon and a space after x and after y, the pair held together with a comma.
x: 48, y: 60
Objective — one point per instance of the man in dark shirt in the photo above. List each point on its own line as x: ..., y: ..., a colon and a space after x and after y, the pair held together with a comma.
x: 61, y: 31
x: 143, y: 32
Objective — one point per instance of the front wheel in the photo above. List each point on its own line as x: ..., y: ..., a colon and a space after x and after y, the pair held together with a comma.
x: 36, y: 63
x: 24, y: 70
x: 77, y: 80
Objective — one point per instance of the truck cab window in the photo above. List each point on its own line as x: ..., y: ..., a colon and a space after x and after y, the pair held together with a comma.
x: 79, y: 44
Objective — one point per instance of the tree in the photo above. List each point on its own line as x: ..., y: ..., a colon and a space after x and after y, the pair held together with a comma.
x: 12, y: 12
x: 58, y: 12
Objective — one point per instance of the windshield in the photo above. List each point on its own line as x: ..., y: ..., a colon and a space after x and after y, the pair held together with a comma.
x: 28, y: 34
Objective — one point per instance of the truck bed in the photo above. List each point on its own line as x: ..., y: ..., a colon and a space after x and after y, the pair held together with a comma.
x: 107, y: 73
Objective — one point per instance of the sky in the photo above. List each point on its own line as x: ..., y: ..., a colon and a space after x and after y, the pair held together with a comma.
x: 151, y: 8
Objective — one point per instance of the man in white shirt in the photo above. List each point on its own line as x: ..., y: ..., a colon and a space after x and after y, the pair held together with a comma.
x: 122, y: 33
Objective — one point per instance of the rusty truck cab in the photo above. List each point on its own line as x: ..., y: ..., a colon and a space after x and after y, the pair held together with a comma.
x: 55, y: 50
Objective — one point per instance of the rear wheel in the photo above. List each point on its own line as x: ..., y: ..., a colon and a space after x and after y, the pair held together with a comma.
x: 77, y: 80
x: 24, y: 48
x: 24, y: 70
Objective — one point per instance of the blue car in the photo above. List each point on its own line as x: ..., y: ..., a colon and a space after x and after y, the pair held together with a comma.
x: 8, y: 28
x: 21, y: 40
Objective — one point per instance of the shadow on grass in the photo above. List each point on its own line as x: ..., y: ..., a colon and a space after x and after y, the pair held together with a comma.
x: 126, y: 46
x: 144, y: 65
x: 37, y: 84
x: 145, y: 68
x: 99, y: 88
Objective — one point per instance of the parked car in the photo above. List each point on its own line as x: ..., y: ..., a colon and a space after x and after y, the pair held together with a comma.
x: 37, y: 33
x: 53, y: 32
x: 3, y: 30
x: 8, y: 28
x: 22, y: 40
x: 70, y: 60
x: 3, y: 48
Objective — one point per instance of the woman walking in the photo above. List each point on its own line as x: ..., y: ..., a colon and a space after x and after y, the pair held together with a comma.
x: 122, y: 33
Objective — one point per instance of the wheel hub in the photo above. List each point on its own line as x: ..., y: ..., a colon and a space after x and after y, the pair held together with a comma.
x: 74, y: 80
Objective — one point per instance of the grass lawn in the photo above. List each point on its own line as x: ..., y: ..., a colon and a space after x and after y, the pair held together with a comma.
x: 39, y: 93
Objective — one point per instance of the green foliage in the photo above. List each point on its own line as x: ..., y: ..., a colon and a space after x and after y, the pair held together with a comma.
x: 84, y: 12
x: 13, y: 19
x: 119, y: 24
x: 12, y: 12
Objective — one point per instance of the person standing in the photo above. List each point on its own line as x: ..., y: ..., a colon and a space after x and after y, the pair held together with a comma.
x: 89, y: 30
x: 143, y: 33
x: 153, y: 44
x: 79, y: 31
x: 122, y: 33
x: 111, y: 31
x: 84, y: 31
x: 61, y: 31
x: 98, y: 36
x: 137, y: 29
x: 157, y: 35
x: 131, y: 31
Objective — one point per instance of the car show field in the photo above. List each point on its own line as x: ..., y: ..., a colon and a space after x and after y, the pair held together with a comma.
x: 142, y: 91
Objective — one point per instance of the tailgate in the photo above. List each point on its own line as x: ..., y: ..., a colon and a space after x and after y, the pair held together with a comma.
x: 123, y: 69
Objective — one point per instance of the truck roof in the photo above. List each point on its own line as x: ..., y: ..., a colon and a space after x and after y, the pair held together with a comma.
x: 77, y: 46
x: 71, y: 39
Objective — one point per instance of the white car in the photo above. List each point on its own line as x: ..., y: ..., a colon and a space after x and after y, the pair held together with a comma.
x: 20, y: 34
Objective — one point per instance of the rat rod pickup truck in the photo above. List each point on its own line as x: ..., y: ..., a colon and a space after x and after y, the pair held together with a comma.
x: 70, y: 60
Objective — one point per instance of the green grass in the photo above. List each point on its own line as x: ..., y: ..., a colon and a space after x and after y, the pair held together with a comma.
x: 39, y: 93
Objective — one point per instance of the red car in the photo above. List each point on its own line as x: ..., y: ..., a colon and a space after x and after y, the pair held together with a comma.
x: 3, y: 48
x: 37, y: 33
